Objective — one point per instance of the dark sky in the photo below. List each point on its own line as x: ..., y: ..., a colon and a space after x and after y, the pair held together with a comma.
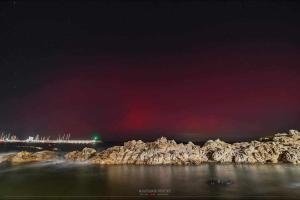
x: 189, y: 71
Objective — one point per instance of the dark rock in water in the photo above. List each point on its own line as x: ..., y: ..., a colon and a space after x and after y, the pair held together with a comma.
x: 217, y: 181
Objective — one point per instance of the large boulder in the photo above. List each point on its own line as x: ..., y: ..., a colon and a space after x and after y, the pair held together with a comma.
x: 22, y: 157
x: 217, y: 150
x: 244, y: 152
x: 290, y: 138
x: 222, y: 155
x: 83, y: 155
x: 244, y: 158
x: 25, y: 157
x: 291, y: 156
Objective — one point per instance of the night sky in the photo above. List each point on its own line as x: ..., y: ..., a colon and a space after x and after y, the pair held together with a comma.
x: 188, y: 71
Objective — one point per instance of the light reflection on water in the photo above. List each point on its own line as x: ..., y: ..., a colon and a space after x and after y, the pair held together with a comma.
x: 63, y: 178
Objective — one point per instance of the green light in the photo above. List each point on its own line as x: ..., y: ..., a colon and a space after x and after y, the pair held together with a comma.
x: 96, y: 136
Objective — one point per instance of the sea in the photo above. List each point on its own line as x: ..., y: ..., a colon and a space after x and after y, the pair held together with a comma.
x: 65, y: 180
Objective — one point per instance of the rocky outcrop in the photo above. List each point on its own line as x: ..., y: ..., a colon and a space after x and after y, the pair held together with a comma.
x: 83, y: 155
x: 279, y: 148
x: 26, y: 157
x: 291, y: 156
x: 217, y: 150
x: 161, y: 151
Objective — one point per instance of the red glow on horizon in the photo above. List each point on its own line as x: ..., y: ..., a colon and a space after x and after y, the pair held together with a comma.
x: 168, y: 99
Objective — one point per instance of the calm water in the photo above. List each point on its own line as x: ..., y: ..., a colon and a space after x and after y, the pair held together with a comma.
x: 63, y: 180
x: 60, y: 179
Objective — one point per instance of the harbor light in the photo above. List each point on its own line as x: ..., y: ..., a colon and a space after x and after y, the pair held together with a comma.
x: 96, y: 137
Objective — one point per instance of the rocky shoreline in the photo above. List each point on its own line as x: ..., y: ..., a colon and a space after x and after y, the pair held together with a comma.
x: 278, y: 148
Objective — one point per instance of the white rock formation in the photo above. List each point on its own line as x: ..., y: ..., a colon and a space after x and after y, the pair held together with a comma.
x: 281, y: 147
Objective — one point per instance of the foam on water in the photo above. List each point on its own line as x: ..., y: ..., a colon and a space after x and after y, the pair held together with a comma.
x: 7, y: 153
x: 3, y: 156
x: 294, y: 185
x: 17, y: 167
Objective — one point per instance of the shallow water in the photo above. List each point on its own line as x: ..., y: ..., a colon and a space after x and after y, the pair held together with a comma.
x: 64, y: 180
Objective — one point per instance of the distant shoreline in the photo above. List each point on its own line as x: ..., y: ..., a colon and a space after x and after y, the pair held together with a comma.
x: 52, y: 141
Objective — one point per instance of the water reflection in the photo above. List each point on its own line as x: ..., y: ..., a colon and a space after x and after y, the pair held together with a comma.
x: 125, y: 180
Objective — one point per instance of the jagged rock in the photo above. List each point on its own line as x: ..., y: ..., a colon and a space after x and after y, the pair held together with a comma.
x: 25, y: 157
x: 244, y: 152
x: 88, y: 153
x: 291, y: 156
x: 292, y: 137
x: 73, y: 155
x: 244, y: 158
x: 217, y: 150
x: 223, y: 155
x: 294, y: 133
x: 161, y: 151
x: 258, y: 152
x: 281, y: 147
x: 83, y: 155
